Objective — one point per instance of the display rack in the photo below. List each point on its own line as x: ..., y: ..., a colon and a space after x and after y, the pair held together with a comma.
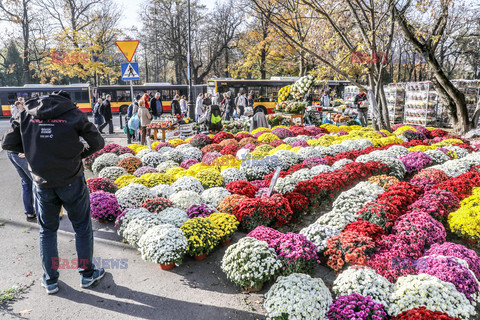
x: 349, y: 95
x: 421, y: 102
x: 395, y: 94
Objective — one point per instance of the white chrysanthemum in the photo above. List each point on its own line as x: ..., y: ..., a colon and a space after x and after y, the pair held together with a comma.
x: 163, y: 244
x: 340, y: 163
x: 232, y: 174
x: 112, y: 173
x: 103, y: 161
x: 319, y: 234
x: 321, y: 168
x: 165, y: 165
x: 188, y: 183
x: 184, y: 199
x: 173, y: 216
x: 162, y: 191
x: 214, y: 196
x: 133, y: 195
x: 143, y: 152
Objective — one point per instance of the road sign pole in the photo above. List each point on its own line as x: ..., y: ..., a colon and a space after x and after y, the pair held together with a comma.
x: 191, y: 106
x: 129, y: 137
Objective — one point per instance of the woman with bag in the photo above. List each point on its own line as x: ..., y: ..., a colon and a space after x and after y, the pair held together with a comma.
x: 361, y: 103
x: 97, y: 116
x: 145, y: 119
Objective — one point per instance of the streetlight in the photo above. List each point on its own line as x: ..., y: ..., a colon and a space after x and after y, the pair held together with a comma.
x: 191, y: 106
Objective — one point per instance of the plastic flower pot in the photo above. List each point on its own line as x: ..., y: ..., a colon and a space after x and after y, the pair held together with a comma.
x: 200, y: 257
x: 256, y: 289
x: 167, y: 266
x: 226, y: 242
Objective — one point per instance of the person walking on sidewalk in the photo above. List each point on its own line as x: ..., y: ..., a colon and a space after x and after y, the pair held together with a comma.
x: 145, y: 119
x: 106, y: 112
x: 48, y: 132
x: 97, y: 117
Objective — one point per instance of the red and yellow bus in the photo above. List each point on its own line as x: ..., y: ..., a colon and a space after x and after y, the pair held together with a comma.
x: 265, y: 92
x: 121, y: 98
x: 80, y: 93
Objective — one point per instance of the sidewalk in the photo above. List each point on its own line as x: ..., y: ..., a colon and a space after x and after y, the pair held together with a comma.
x: 195, y: 290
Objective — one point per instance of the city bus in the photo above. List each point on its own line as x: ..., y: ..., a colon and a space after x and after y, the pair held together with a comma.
x: 121, y: 98
x: 265, y: 92
x: 80, y: 94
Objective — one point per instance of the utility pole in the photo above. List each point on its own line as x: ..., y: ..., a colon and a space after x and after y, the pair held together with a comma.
x: 157, y: 71
x: 191, y: 105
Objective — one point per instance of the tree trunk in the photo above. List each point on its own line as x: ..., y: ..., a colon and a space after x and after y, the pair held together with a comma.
x: 26, y: 40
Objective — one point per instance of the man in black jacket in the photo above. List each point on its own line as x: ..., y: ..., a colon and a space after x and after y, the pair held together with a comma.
x: 175, y: 105
x: 156, y: 106
x: 48, y: 132
x: 106, y: 112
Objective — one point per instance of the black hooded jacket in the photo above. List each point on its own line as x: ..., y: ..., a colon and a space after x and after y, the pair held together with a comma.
x: 48, y: 133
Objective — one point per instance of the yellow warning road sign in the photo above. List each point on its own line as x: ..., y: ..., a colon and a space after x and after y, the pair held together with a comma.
x: 128, y: 48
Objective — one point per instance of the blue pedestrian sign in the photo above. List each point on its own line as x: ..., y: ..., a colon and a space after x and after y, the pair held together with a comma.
x: 130, y: 71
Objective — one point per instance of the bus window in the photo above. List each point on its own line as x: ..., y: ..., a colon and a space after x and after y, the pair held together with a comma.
x: 104, y: 94
x: 80, y: 96
x: 12, y: 97
x: 123, y: 96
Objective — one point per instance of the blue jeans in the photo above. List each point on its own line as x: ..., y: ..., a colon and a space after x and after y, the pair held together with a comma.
x: 21, y: 165
x: 76, y: 201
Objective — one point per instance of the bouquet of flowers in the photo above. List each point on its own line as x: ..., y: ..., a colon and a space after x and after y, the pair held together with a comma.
x: 421, y: 313
x: 297, y: 253
x: 356, y: 306
x: 450, y: 269
x: 232, y: 174
x: 416, y: 161
x: 348, y: 247
x: 104, y: 206
x: 200, y: 210
x: 144, y: 170
x: 136, y: 228
x: 101, y: 184
x: 163, y: 244
x: 225, y: 225
x: 214, y: 196
x: 201, y: 236
x: 242, y: 187
x: 103, y: 161
x: 318, y: 234
x: 210, y: 178
x: 187, y: 184
x: 200, y: 141
x: 184, y: 199
x: 133, y: 195
x: 458, y: 251
x: 250, y: 263
x: 364, y: 281
x: 157, y: 204
x: 282, y: 300
x: 428, y: 291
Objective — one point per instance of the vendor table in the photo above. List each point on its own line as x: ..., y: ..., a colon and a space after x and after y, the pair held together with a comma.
x: 164, y: 132
x: 293, y: 116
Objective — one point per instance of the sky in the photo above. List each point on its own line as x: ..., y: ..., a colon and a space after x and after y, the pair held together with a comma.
x: 132, y: 7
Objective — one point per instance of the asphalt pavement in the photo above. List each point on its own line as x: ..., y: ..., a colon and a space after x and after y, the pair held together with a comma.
x: 135, y: 289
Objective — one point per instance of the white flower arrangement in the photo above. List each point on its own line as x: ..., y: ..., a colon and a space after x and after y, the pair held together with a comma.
x: 152, y: 159
x: 308, y: 152
x: 184, y: 199
x: 351, y: 201
x: 337, y: 148
x: 130, y: 215
x: 188, y: 183
x: 162, y: 191
x: 103, y: 161
x: 173, y: 216
x: 214, y: 196
x: 143, y: 152
x: 285, y: 185
x: 437, y: 156
x: 302, y: 175
x: 112, y: 173
x: 165, y: 165
x: 454, y: 168
x: 289, y: 158
x: 336, y: 219
x: 191, y: 153
x: 290, y: 140
x: 298, y: 297
x: 414, y: 291
x: 250, y: 262
x: 358, y: 144
x: 133, y: 195
x: 473, y: 158
x: 364, y: 281
x: 163, y: 244
x: 325, y: 151
x: 303, y: 137
x: 398, y: 151
x: 321, y: 168
x: 232, y: 174
x: 396, y: 167
x: 125, y: 155
x: 254, y: 172
x: 319, y: 234
x: 137, y: 227
x: 340, y: 163
x: 461, y: 152
x: 173, y: 155
x: 162, y: 150
x: 272, y: 162
x: 184, y: 146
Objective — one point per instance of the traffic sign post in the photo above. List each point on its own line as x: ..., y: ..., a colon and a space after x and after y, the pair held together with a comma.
x: 129, y: 71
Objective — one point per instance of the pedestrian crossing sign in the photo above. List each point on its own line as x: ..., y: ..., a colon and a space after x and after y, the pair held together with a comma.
x: 130, y: 71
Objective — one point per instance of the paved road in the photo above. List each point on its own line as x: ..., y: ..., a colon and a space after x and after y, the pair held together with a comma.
x: 195, y: 290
